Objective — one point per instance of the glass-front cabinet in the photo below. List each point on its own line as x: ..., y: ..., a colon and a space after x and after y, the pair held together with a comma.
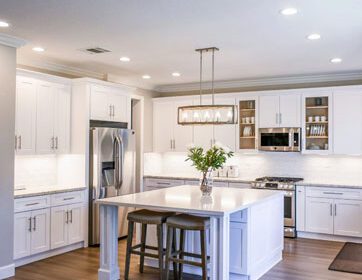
x: 317, y: 119
x: 247, y: 126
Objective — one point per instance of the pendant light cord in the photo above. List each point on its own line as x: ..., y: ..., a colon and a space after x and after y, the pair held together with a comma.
x: 200, y: 77
x: 213, y: 72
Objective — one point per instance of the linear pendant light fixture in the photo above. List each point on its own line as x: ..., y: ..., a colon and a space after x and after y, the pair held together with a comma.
x: 206, y: 114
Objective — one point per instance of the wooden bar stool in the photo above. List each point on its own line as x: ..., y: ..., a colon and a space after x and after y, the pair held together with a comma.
x: 186, y: 222
x: 146, y: 217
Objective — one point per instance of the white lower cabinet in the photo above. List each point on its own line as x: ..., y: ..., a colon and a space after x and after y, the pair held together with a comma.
x: 43, y: 223
x: 332, y: 211
x: 66, y: 225
x: 31, y: 233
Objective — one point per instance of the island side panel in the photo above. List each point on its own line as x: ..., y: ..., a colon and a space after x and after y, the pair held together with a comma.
x: 108, y: 258
x: 266, y: 236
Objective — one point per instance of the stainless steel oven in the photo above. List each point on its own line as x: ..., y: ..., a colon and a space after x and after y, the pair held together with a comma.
x: 280, y: 139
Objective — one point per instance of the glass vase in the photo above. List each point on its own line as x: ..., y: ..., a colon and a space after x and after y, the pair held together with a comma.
x: 206, y: 183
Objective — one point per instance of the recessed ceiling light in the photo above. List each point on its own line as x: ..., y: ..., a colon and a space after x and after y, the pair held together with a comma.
x: 176, y: 74
x: 289, y: 11
x: 336, y: 60
x: 4, y: 24
x: 146, y: 77
x: 38, y: 49
x: 314, y: 36
x: 125, y: 59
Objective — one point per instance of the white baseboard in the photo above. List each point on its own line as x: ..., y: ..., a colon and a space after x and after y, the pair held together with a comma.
x: 7, y: 271
x: 328, y: 237
x: 48, y: 254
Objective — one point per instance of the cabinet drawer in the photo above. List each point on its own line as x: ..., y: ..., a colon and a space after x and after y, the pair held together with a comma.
x: 192, y: 182
x: 67, y: 198
x: 239, y: 217
x: 342, y: 193
x: 163, y: 183
x: 240, y: 185
x: 31, y: 203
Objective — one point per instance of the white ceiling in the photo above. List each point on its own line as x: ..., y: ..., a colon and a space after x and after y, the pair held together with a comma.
x: 160, y: 36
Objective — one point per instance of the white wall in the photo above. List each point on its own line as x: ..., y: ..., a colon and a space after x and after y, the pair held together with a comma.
x: 7, y: 128
x: 313, y: 168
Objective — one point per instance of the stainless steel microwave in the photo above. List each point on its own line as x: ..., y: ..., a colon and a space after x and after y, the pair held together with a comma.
x: 286, y: 139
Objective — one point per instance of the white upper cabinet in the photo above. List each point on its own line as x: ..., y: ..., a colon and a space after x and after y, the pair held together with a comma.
x: 226, y: 133
x: 289, y: 110
x: 269, y: 111
x: 168, y: 135
x: 25, y: 128
x: 279, y: 111
x: 45, y: 103
x: 109, y: 104
x: 42, y: 116
x: 347, y: 121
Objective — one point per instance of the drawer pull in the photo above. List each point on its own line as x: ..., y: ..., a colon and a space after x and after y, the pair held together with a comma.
x: 332, y: 193
x: 68, y: 198
x: 32, y: 204
x: 161, y: 183
x: 29, y: 224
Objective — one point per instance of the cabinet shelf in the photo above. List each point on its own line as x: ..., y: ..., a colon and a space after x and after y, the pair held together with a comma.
x: 247, y: 110
x: 317, y: 137
x: 316, y: 123
x: 247, y: 137
x: 316, y: 107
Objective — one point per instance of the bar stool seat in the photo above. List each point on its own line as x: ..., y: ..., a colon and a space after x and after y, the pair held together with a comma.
x: 186, y: 222
x: 146, y: 217
x: 149, y: 217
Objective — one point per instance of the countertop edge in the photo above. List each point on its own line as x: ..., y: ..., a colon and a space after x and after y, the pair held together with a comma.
x: 49, y: 192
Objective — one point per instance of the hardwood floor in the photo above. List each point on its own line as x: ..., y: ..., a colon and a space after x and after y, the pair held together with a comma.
x: 303, y: 259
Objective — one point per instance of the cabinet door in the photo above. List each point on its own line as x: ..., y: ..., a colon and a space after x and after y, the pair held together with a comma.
x: 75, y: 224
x: 300, y: 210
x: 120, y: 109
x: 40, y: 235
x: 62, y: 120
x: 203, y: 134
x: 25, y: 116
x: 22, y: 234
x: 45, y: 101
x: 225, y: 134
x: 182, y: 134
x: 347, y: 219
x: 319, y: 215
x: 269, y: 111
x: 347, y: 122
x: 162, y: 126
x: 238, y: 249
x: 100, y: 106
x: 59, y: 228
x: 289, y: 107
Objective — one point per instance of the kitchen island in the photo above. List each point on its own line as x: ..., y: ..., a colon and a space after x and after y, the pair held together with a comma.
x: 246, y: 232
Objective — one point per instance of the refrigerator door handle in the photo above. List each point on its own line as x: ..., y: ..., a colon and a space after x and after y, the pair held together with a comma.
x: 118, y: 166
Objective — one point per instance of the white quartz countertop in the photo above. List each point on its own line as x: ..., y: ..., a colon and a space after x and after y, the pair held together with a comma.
x: 188, y: 198
x: 320, y: 182
x: 26, y: 191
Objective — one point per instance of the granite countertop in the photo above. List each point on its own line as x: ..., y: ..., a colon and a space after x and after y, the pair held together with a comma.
x: 27, y: 191
x: 187, y: 198
x: 333, y: 183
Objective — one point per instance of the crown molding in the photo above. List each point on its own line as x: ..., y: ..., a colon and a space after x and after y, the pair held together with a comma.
x: 267, y: 81
x: 11, y: 41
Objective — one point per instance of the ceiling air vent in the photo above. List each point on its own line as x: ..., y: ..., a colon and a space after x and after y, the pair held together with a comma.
x: 95, y: 50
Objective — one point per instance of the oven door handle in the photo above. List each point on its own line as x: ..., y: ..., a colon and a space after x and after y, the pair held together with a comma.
x: 291, y: 138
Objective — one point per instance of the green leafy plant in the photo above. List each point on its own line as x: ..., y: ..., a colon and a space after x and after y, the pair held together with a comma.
x: 209, y: 160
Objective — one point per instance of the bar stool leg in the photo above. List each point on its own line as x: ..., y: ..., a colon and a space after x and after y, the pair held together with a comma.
x: 203, y: 254
x: 168, y: 250
x: 174, y: 249
x: 160, y: 249
x: 129, y: 246
x: 182, y: 249
x: 143, y: 245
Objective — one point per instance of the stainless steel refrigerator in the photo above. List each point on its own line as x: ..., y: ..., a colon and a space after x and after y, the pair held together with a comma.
x: 112, y: 161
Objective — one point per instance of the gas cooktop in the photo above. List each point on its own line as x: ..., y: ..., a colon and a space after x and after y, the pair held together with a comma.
x: 279, y: 179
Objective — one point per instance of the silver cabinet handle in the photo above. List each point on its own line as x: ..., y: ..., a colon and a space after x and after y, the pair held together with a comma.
x: 276, y: 118
x: 32, y: 204
x: 330, y: 209
x: 162, y: 183
x: 332, y: 193
x: 34, y: 226
x: 69, y: 198
x: 110, y: 110
x: 52, y: 146
x: 19, y: 147
x: 67, y: 217
x: 335, y: 209
x: 174, y: 144
x: 29, y: 225
x: 56, y: 143
x: 113, y: 111
x: 171, y: 144
x: 280, y: 118
x: 71, y: 216
x: 16, y: 142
